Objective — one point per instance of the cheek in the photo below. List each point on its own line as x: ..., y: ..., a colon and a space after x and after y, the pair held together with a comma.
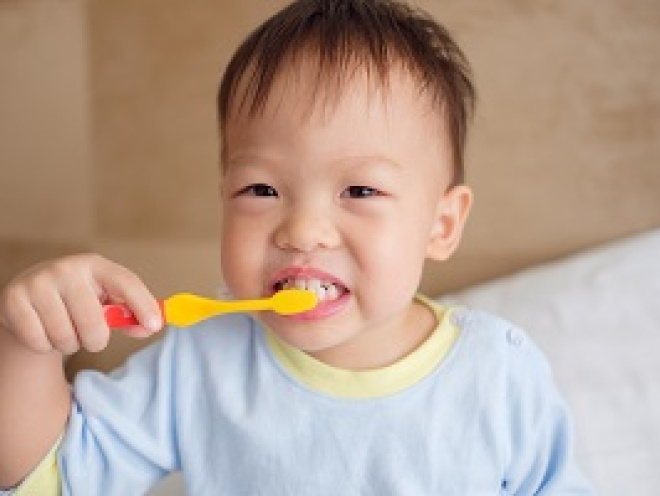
x: 241, y: 254
x: 391, y: 283
x: 392, y: 258
x: 401, y: 237
x: 397, y: 266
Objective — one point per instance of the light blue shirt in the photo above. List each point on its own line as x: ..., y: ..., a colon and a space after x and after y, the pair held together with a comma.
x: 213, y: 402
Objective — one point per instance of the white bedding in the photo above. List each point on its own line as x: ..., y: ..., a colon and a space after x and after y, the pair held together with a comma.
x: 597, y: 317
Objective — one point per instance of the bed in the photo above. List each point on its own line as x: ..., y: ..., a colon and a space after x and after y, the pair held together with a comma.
x: 597, y: 317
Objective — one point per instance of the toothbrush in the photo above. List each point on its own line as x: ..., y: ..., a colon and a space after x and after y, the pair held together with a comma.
x: 186, y: 309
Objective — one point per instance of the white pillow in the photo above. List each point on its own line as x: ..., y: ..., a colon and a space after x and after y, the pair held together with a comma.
x: 597, y: 317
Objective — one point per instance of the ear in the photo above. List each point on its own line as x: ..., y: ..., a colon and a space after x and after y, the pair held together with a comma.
x: 450, y: 216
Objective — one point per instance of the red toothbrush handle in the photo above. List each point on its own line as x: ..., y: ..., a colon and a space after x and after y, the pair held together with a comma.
x: 119, y: 315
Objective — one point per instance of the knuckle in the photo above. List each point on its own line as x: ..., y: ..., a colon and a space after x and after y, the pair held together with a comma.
x: 73, y: 275
x: 91, y: 261
x: 15, y: 308
x: 73, y: 265
x: 123, y: 272
x: 11, y: 298
x: 65, y: 268
x: 39, y: 284
x: 92, y: 258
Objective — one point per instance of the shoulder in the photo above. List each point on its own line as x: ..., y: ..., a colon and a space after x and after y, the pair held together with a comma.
x: 496, y: 336
x: 503, y: 353
x: 511, y: 364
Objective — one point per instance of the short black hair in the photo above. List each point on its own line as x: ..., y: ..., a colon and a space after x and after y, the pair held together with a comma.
x: 345, y: 34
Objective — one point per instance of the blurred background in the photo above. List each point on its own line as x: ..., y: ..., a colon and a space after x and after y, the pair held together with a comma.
x: 108, y: 131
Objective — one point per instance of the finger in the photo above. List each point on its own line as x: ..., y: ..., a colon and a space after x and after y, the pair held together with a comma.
x: 138, y: 332
x: 22, y: 320
x: 122, y: 285
x: 85, y: 312
x: 54, y: 315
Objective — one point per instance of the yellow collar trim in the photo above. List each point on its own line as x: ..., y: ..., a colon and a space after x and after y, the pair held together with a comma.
x: 377, y: 382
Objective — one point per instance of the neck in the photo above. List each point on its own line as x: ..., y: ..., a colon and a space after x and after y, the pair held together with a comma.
x: 383, y: 344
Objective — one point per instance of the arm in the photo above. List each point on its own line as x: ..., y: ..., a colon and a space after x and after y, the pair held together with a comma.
x: 542, y: 458
x: 31, y: 383
x: 54, y: 309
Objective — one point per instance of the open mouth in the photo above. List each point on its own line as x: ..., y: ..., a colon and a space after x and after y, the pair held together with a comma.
x: 325, y: 290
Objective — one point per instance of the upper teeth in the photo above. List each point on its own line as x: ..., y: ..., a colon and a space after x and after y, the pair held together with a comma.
x: 324, y: 290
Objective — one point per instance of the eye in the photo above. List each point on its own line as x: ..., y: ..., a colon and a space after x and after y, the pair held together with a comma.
x: 258, y: 189
x: 359, y: 192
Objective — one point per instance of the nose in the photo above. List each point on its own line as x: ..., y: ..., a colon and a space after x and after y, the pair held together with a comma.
x: 304, y: 230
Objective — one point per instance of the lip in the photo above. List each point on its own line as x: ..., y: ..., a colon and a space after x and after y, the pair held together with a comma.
x: 323, y: 309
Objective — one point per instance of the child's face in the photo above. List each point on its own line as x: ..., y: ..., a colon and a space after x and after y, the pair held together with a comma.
x: 347, y: 199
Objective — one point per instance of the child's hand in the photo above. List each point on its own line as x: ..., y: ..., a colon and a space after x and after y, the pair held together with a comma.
x: 57, y: 305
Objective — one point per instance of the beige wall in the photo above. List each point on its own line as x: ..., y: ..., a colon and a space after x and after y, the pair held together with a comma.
x: 43, y: 132
x: 107, y: 130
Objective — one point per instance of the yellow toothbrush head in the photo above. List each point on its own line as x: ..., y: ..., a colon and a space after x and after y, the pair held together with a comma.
x: 291, y: 301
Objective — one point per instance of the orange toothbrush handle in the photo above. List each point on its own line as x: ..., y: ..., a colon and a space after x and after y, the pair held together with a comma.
x: 119, y: 315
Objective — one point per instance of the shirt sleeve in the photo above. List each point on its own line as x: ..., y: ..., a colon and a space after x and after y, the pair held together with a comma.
x: 541, y: 459
x: 121, y: 434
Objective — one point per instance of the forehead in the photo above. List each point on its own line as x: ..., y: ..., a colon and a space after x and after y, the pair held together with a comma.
x: 364, y: 116
x: 305, y: 90
x: 301, y: 91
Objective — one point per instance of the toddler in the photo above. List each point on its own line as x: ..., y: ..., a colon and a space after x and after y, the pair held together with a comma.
x: 343, y: 127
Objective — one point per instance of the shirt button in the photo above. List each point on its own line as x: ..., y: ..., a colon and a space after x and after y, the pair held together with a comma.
x: 460, y: 319
x: 514, y: 337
